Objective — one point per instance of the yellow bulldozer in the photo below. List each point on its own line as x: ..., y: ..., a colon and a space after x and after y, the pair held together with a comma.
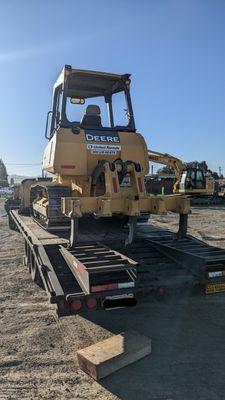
x: 97, y: 158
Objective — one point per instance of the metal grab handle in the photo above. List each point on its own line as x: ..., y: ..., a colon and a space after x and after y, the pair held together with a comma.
x: 47, y: 123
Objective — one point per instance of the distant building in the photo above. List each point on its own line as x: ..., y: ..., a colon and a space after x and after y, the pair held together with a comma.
x: 3, y: 175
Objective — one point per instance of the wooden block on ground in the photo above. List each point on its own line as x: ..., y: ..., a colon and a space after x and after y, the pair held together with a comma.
x: 107, y: 356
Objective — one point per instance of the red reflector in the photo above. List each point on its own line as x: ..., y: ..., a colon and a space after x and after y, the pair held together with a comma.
x: 62, y: 304
x: 115, y: 188
x: 65, y: 166
x: 76, y: 305
x: 91, y: 303
x: 140, y: 186
x: 102, y: 288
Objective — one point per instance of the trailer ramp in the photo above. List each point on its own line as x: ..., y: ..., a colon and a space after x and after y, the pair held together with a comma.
x: 157, y: 273
x: 206, y: 262
x: 98, y: 268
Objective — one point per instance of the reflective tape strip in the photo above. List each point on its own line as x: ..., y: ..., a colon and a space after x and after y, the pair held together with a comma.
x: 65, y: 166
x: 125, y: 285
x: 115, y: 188
x: 103, y: 288
x: 140, y: 186
x: 215, y: 274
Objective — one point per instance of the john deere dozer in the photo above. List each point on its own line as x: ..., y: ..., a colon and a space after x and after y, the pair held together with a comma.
x: 97, y: 158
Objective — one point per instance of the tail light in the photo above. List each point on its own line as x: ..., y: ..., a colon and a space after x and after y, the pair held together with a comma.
x: 76, y: 305
x: 91, y: 303
x: 61, y: 304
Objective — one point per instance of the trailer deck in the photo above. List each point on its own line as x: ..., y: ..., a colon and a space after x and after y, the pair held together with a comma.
x: 104, y: 273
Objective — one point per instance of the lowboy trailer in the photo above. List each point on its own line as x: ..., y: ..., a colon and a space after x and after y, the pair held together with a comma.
x: 105, y: 274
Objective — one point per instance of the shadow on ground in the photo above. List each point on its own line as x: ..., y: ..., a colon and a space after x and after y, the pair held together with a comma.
x: 187, y: 349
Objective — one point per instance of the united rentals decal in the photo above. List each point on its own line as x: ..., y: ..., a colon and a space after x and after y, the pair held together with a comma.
x: 103, y: 148
x: 105, y: 136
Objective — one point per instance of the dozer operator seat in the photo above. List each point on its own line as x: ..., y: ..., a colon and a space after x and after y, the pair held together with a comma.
x: 92, y: 117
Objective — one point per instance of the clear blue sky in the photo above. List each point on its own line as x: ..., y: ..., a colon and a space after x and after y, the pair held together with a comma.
x: 175, y: 51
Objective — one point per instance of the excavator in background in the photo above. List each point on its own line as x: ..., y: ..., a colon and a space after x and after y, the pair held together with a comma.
x: 190, y: 180
x: 97, y: 159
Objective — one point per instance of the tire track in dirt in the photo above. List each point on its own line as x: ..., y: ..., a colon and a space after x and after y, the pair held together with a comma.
x: 37, y: 351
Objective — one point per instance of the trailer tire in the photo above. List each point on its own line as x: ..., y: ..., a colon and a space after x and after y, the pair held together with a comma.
x: 38, y: 280
x: 24, y: 261
x: 12, y: 224
x: 26, y: 255
x: 35, y: 274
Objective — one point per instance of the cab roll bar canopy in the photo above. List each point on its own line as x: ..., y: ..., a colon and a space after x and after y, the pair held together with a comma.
x: 85, y: 84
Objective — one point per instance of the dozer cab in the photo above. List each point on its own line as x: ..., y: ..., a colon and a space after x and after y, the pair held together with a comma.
x: 97, y: 158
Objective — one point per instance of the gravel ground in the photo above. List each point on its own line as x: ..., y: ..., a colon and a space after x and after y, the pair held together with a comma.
x: 38, y: 352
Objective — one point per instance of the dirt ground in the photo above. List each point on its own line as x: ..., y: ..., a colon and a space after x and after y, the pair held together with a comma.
x: 38, y: 352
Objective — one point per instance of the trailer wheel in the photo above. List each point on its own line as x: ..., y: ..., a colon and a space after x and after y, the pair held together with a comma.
x: 35, y: 274
x: 12, y: 224
x: 25, y: 257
